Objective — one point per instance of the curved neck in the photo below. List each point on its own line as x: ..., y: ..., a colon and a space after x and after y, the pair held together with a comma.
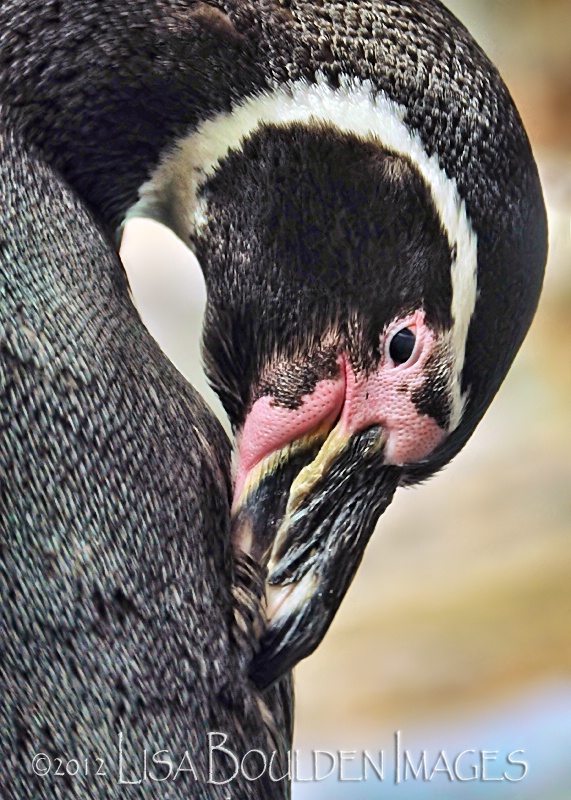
x: 103, y: 91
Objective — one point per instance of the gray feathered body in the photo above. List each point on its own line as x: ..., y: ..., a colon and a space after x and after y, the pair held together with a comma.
x: 115, y: 571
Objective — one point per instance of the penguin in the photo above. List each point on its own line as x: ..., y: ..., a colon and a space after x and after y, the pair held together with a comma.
x: 362, y: 197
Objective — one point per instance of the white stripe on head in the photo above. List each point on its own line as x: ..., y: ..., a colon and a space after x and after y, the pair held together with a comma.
x: 171, y: 195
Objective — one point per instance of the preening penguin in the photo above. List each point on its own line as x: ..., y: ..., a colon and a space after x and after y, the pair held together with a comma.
x: 362, y: 198
x: 372, y: 232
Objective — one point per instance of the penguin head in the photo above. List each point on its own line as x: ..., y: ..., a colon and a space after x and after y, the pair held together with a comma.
x: 359, y: 322
x: 367, y: 213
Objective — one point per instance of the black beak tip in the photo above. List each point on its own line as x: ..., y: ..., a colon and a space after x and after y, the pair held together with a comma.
x: 275, y: 658
x: 288, y: 640
x: 267, y: 668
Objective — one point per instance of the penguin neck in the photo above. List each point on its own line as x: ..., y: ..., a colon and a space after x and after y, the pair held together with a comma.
x: 102, y: 92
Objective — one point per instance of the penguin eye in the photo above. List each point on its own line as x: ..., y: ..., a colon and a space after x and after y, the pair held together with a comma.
x: 402, y: 346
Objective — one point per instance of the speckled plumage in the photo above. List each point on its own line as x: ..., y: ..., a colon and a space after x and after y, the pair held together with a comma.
x: 115, y: 571
x: 114, y: 520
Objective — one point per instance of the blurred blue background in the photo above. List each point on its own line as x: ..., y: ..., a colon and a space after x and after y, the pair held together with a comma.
x: 456, y: 630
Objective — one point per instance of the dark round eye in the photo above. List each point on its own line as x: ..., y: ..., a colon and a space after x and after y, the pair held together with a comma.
x: 402, y: 346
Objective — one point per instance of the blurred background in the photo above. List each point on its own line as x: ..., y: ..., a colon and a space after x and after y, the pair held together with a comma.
x: 456, y: 629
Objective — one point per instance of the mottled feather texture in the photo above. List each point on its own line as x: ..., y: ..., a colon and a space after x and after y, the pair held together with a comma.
x: 115, y: 571
x: 117, y: 602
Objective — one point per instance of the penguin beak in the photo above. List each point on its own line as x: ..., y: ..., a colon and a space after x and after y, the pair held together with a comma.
x: 307, y: 521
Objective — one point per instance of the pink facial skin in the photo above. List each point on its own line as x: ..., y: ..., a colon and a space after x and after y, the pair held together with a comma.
x: 269, y: 427
x: 383, y: 398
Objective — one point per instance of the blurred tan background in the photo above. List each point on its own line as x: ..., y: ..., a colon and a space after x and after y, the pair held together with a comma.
x: 456, y: 630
